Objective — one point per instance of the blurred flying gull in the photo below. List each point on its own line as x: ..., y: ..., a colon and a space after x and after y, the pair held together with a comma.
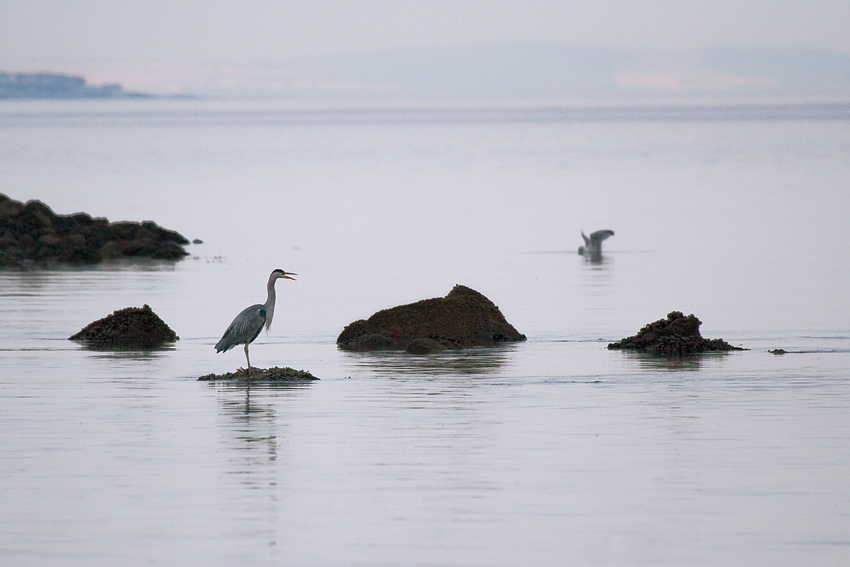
x: 593, y: 244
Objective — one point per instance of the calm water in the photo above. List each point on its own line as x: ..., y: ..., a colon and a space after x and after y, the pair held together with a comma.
x: 555, y: 451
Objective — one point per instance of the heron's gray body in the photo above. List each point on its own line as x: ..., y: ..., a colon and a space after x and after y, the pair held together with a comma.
x: 247, y: 325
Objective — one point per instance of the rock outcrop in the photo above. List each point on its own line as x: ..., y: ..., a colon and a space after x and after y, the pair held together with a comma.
x: 464, y: 318
x: 132, y: 327
x: 264, y: 374
x: 31, y: 234
x: 677, y: 334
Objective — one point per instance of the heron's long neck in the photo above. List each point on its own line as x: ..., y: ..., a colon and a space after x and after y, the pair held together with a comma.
x: 269, y: 306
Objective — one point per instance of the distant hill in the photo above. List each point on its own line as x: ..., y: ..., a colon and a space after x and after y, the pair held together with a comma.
x: 472, y: 71
x: 787, y: 67
x: 57, y: 86
x: 499, y: 72
x: 550, y: 71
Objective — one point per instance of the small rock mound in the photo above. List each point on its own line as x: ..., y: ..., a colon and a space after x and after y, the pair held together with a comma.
x: 132, y: 327
x: 31, y: 234
x: 675, y: 335
x: 463, y: 318
x: 269, y: 374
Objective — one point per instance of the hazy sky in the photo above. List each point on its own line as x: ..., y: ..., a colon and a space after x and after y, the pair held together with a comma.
x: 107, y: 36
x: 269, y: 30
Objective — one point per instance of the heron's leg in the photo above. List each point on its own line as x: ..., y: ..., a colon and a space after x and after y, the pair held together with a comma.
x: 247, y: 357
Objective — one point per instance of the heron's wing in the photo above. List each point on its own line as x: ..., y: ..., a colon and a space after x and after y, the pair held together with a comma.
x: 244, y: 328
x: 600, y: 235
x: 586, y: 239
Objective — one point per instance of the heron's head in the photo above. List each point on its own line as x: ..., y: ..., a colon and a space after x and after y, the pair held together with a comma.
x: 281, y: 274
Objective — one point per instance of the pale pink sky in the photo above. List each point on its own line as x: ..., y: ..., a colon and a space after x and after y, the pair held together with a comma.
x: 181, y: 45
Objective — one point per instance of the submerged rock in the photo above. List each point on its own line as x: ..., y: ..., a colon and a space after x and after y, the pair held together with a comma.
x: 31, y: 234
x: 463, y: 318
x: 676, y: 334
x: 270, y: 374
x: 133, y: 327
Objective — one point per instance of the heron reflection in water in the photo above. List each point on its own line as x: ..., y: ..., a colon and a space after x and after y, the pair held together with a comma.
x: 247, y: 325
x: 593, y: 244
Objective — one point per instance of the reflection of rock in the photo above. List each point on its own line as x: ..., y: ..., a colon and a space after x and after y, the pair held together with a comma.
x: 132, y: 327
x: 32, y: 233
x: 270, y: 374
x: 675, y: 335
x: 464, y: 318
x: 451, y: 362
x: 592, y: 248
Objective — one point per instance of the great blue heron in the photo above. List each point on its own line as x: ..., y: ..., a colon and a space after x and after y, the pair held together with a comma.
x: 593, y: 244
x: 248, y: 324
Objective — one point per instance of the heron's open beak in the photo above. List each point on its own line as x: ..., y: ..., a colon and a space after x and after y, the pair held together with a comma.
x: 287, y: 274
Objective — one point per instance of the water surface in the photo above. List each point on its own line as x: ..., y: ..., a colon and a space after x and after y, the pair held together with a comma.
x: 553, y: 451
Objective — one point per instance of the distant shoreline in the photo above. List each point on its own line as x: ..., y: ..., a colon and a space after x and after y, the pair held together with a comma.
x: 276, y: 111
x: 28, y: 86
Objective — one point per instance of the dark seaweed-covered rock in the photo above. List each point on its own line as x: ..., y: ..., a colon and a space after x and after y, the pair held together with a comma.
x: 269, y: 374
x: 132, y: 327
x: 31, y: 234
x: 464, y: 318
x: 674, y: 335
